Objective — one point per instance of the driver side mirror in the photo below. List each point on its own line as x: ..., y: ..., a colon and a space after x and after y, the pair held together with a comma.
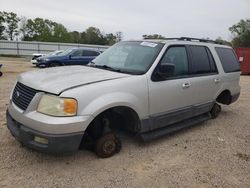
x: 166, y: 70
x: 70, y: 57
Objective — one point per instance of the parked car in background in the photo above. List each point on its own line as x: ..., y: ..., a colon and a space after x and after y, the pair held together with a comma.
x: 35, y: 56
x: 72, y: 56
x: 54, y: 53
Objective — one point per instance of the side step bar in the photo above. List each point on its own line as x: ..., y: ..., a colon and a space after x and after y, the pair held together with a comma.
x: 148, y: 136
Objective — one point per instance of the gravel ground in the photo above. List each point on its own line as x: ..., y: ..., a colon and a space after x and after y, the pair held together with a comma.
x: 213, y: 154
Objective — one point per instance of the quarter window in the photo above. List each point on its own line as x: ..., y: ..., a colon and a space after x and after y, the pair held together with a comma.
x: 177, y: 55
x: 89, y: 53
x: 228, y: 59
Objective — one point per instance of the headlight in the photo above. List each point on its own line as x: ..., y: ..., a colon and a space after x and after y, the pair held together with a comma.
x: 46, y: 59
x: 57, y: 106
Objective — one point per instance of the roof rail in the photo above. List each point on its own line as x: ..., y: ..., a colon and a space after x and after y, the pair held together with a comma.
x: 193, y: 39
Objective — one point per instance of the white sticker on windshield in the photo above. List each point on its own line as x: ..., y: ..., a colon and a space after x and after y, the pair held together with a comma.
x: 150, y: 44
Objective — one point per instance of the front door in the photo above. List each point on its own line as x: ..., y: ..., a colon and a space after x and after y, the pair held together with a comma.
x: 171, y: 99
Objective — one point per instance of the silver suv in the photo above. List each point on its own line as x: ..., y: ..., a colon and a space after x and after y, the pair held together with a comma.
x: 149, y: 88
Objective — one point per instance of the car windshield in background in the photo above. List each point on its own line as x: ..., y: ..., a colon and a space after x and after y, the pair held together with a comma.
x: 54, y: 53
x: 129, y: 57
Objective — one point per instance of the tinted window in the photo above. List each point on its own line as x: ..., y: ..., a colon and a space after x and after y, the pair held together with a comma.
x: 76, y: 53
x: 200, y: 60
x: 178, y: 56
x: 228, y: 59
x: 89, y: 53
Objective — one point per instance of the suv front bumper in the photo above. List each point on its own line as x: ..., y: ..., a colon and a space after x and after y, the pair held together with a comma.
x: 56, y: 143
x: 46, y: 133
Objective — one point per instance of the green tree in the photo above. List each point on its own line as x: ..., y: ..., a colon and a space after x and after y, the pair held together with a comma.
x: 40, y: 29
x: 154, y: 36
x: 2, y: 28
x: 224, y: 42
x: 92, y: 35
x: 60, y: 34
x: 11, y: 24
x: 23, y: 28
x: 241, y: 33
x: 119, y: 36
x: 75, y: 37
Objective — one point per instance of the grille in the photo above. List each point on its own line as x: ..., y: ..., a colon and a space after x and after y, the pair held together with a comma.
x: 22, y: 95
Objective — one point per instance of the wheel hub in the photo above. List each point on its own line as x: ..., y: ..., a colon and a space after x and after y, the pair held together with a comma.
x: 109, y: 146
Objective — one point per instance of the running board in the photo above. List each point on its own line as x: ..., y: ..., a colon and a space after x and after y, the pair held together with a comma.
x: 148, y: 136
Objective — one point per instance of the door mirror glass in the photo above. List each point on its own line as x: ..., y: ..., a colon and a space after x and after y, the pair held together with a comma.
x: 166, y: 70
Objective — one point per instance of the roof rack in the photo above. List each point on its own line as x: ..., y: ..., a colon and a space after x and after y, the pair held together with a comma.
x: 193, y: 39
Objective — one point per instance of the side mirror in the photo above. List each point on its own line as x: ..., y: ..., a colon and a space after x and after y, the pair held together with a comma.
x: 70, y: 57
x: 166, y: 70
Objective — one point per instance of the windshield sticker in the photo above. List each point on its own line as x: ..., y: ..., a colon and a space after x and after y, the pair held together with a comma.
x: 150, y: 44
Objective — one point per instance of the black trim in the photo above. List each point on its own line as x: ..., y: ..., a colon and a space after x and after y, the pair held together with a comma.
x: 169, y: 118
x: 57, y: 143
x: 148, y: 136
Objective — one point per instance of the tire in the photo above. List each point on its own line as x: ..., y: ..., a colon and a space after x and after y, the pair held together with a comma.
x: 1, y: 74
x: 54, y: 64
x: 215, y: 111
x: 107, y: 145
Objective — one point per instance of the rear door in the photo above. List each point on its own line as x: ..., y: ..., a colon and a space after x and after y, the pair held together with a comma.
x: 205, y: 79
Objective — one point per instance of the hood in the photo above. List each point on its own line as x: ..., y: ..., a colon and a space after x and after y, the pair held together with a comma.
x: 57, y: 79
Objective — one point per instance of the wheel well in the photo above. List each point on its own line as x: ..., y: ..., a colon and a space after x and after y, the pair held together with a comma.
x: 120, y: 117
x: 224, y: 97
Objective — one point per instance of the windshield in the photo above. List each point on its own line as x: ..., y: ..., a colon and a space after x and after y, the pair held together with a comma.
x: 130, y: 57
x: 54, y: 53
x: 66, y: 52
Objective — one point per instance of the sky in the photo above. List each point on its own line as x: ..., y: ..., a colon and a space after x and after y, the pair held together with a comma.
x: 170, y: 18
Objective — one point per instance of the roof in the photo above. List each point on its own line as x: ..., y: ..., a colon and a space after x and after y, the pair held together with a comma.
x: 187, y: 40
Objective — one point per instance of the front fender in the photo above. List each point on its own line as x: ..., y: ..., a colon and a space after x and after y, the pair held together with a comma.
x: 108, y: 101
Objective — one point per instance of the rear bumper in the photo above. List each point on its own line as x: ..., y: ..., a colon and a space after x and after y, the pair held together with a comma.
x: 57, y: 143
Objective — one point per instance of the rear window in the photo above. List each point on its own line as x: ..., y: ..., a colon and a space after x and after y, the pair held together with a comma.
x: 228, y: 59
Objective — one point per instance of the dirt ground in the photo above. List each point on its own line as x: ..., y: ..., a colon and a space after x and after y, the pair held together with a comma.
x: 213, y: 154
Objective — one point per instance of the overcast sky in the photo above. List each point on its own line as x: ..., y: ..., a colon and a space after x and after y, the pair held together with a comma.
x: 171, y: 18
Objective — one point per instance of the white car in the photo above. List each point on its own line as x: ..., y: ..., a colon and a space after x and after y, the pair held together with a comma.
x: 36, y: 56
x: 149, y: 88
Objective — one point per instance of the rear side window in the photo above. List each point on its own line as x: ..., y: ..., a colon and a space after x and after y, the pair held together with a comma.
x: 89, y: 53
x: 202, y: 60
x: 228, y: 59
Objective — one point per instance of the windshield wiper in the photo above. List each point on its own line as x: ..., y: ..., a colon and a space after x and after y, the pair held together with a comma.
x: 106, y: 67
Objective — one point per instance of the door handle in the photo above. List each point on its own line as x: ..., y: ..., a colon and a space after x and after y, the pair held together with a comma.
x: 216, y: 80
x: 186, y: 85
